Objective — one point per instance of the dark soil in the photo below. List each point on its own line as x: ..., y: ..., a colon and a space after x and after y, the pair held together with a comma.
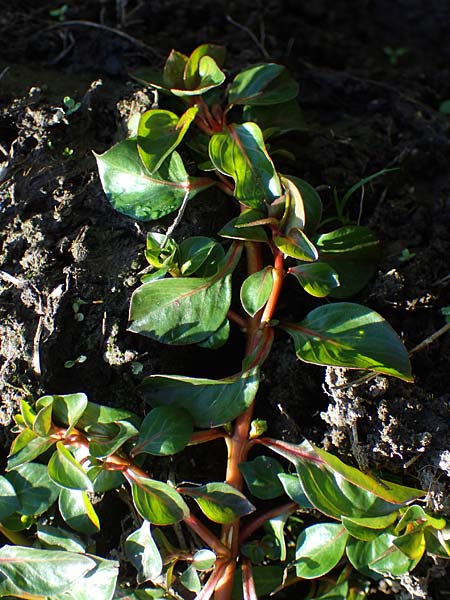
x: 66, y: 252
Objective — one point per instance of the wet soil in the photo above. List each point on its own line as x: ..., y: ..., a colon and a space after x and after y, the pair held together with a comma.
x: 372, y: 75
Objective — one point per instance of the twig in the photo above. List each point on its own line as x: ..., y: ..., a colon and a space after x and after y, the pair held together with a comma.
x: 250, y: 33
x: 36, y: 360
x: 177, y: 219
x: 430, y: 339
x: 3, y: 73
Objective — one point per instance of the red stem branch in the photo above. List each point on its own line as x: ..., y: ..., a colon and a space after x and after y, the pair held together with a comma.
x: 259, y: 520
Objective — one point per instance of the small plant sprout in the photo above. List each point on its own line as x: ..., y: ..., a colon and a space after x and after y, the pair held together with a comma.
x: 241, y: 535
x: 394, y: 54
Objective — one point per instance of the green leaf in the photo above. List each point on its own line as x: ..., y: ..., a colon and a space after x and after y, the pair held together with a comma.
x: 43, y: 421
x: 368, y: 528
x: 262, y: 84
x: 133, y: 191
x: 67, y: 472
x: 256, y: 289
x: 292, y: 485
x: 339, y: 592
x: 267, y: 578
x: 35, y: 491
x: 56, y: 537
x: 77, y: 511
x: 294, y: 216
x: 98, y: 420
x: 158, y: 502
x: 101, y: 448
x: 412, y: 544
x: 210, y: 402
x: 99, y: 583
x: 28, y: 446
x: 202, y: 71
x: 261, y: 477
x: 67, y: 409
x: 103, y: 480
x: 218, y: 338
x: 278, y: 119
x: 184, y: 310
x: 238, y: 228
x: 165, y: 430
x: 437, y: 542
x: 43, y: 572
x: 27, y: 413
x: 319, y: 549
x: 194, y: 252
x: 350, y: 335
x: 9, y: 503
x: 174, y: 69
x: 296, y: 245
x: 142, y: 551
x: 191, y: 580
x: 312, y: 203
x: 240, y: 153
x: 220, y: 502
x: 353, y: 252
x: 204, y: 559
x: 415, y: 515
x: 159, y: 256
x: 159, y: 133
x: 275, y: 527
x: 379, y: 556
x: 318, y: 279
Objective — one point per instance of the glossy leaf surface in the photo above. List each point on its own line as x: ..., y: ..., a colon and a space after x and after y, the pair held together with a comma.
x: 296, y: 245
x: 262, y: 84
x: 318, y: 279
x: 210, y: 402
x: 239, y: 228
x: 9, y: 502
x: 312, y: 203
x: 184, y: 310
x: 67, y: 409
x: 368, y: 528
x: 134, y: 191
x: 123, y: 431
x: 165, y: 430
x: 255, y: 290
x: 159, y: 133
x: 35, y: 491
x: 350, y: 335
x: 77, y: 511
x: 32, y: 447
x: 143, y: 553
x: 261, y: 477
x: 57, y: 537
x: 240, y: 153
x: 292, y: 486
x: 220, y: 502
x: 194, y: 251
x: 158, y: 502
x: 319, y: 549
x: 378, y: 556
x: 67, y: 472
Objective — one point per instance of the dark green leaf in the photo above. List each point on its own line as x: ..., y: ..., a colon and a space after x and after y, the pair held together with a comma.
x: 174, y: 69
x: 218, y: 338
x: 296, y: 245
x: 210, y: 402
x: 338, y: 592
x: 368, y: 528
x: 100, y: 583
x: 204, y: 74
x: 159, y: 256
x: 263, y: 84
x: 101, y: 448
x: 267, y: 578
x: 220, y: 502
x: 28, y: 447
x: 35, y: 491
x: 194, y: 252
x: 67, y: 409
x: 437, y: 542
x: 43, y: 421
x: 133, y: 191
x: 43, y: 572
x: 158, y: 502
x: 292, y: 485
x: 261, y: 477
x: 350, y: 335
x: 9, y: 503
x: 238, y: 228
x: 67, y: 472
x: 56, y: 537
x: 277, y: 119
x: 203, y: 560
x: 165, y: 430
x: 240, y: 153
x: 77, y: 511
x: 276, y: 528
x: 318, y: 279
x: 159, y: 133
x: 255, y: 290
x: 311, y: 202
x: 353, y: 252
x: 184, y: 310
x: 191, y: 580
x: 319, y: 549
x: 98, y: 420
x: 103, y: 480
x: 143, y: 553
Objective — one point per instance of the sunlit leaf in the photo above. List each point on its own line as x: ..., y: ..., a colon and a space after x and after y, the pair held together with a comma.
x: 158, y: 502
x: 318, y: 279
x: 296, y: 245
x: 218, y: 338
x: 159, y: 133
x: 203, y: 560
x: 99, y: 447
x: 194, y: 252
x: 412, y: 544
x: 35, y: 491
x: 134, y: 191
x: 190, y: 579
x: 57, y: 537
x: 9, y: 502
x: 238, y: 228
x: 99, y: 583
x: 29, y: 447
x: 379, y: 556
x: 262, y: 84
x: 292, y: 485
x: 240, y: 153
x: 312, y: 203
x: 77, y: 511
x: 210, y: 402
x: 174, y: 69
x: 220, y: 502
x: 350, y: 335
x: 67, y: 409
x: 319, y: 549
x: 143, y: 552
x: 165, y: 430
x: 256, y: 289
x: 184, y: 310
x: 368, y: 528
x: 67, y: 472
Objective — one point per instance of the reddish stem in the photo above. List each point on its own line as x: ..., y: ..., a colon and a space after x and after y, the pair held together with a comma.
x: 208, y: 435
x: 259, y: 520
x: 236, y: 318
x: 278, y: 277
x: 248, y: 583
x: 206, y: 535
